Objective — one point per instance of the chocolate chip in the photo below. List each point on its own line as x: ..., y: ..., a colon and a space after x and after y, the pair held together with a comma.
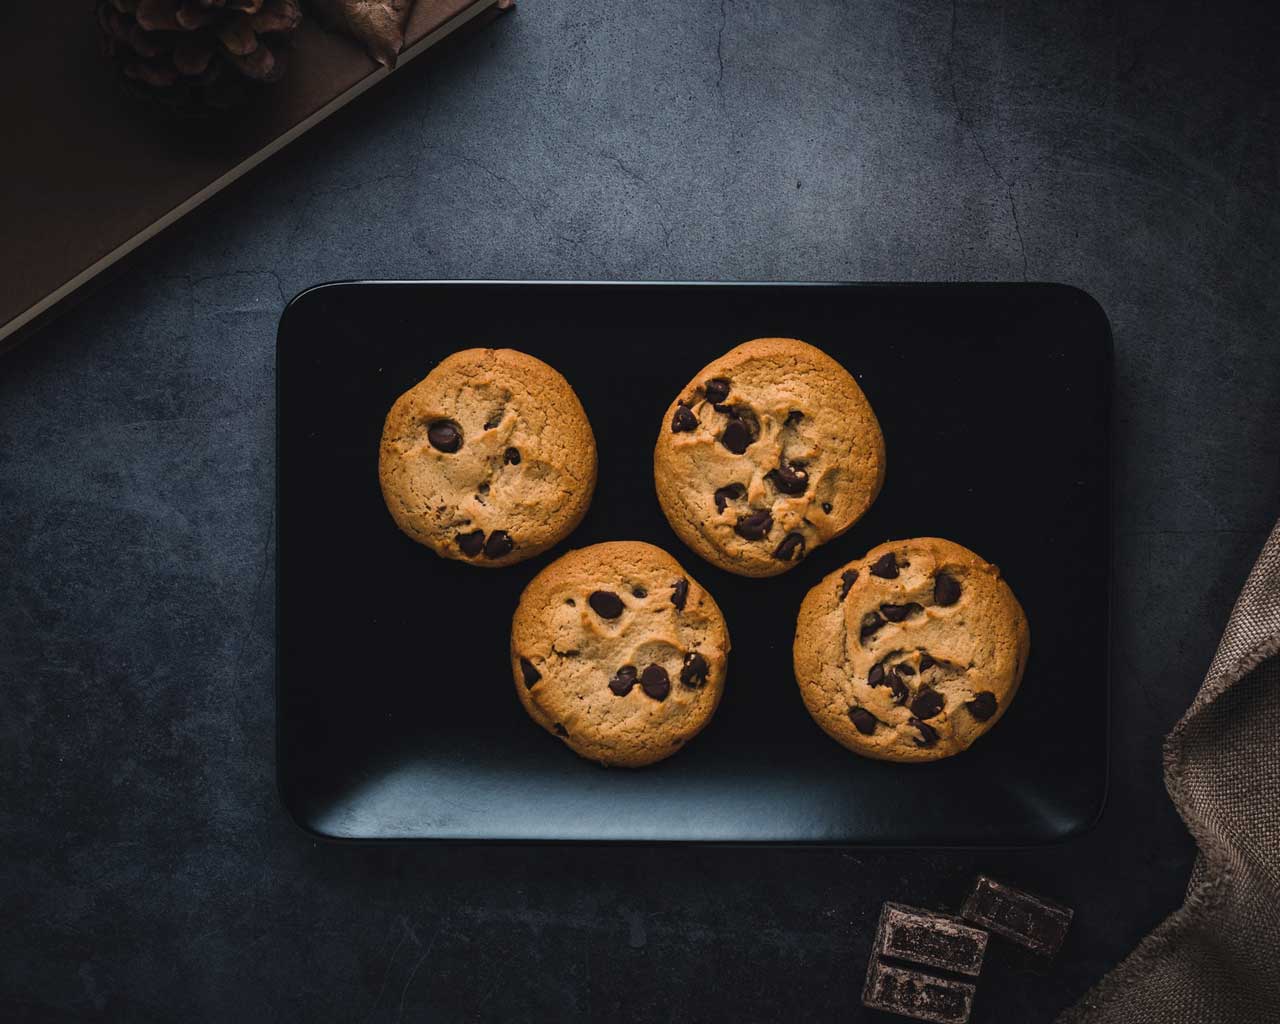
x: 561, y: 730
x: 946, y: 590
x: 571, y: 602
x: 926, y: 660
x: 445, y: 435
x: 483, y: 488
x: 899, y: 612
x: 471, y: 543
x: 983, y: 705
x: 789, y: 478
x: 511, y: 457
x: 531, y: 674
x: 695, y: 671
x: 623, y: 680
x: 876, y: 676
x: 726, y: 494
x: 870, y: 623
x: 639, y: 592
x: 605, y: 603
x: 683, y: 420
x: 898, y: 688
x: 906, y: 670
x: 847, y: 580
x: 754, y: 525
x: 863, y: 720
x: 793, y: 417
x: 886, y: 567
x: 792, y: 546
x: 736, y: 436
x: 928, y: 734
x: 717, y: 390
x: 928, y: 702
x: 493, y: 420
x: 498, y: 544
x: 826, y: 507
x: 655, y: 683
x: 680, y: 594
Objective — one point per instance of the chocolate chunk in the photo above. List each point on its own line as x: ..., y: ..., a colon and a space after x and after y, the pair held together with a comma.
x: 863, y: 720
x: 847, y: 580
x: 736, y: 436
x: 918, y: 994
x: 754, y: 525
x: 726, y: 494
x: 531, y: 674
x: 623, y: 680
x: 826, y: 507
x: 511, y: 457
x: 983, y: 705
x: 945, y: 589
x: 898, y: 688
x: 683, y: 419
x: 561, y: 730
x: 655, y: 683
x: 876, y: 676
x: 605, y: 603
x: 716, y: 390
x: 789, y: 478
x: 445, y: 435
x: 870, y: 623
x: 639, y: 592
x: 498, y: 544
x: 886, y: 567
x: 695, y: 671
x: 1032, y: 921
x: 928, y: 702
x: 926, y: 660
x: 793, y: 417
x: 471, y: 544
x: 925, y: 937
x: 928, y: 734
x: 493, y: 420
x: 680, y: 594
x: 899, y: 612
x: 904, y: 669
x: 792, y: 546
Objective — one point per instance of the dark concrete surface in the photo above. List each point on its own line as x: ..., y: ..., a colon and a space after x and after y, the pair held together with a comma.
x: 148, y: 871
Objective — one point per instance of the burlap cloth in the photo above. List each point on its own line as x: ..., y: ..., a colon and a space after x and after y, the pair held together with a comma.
x: 1217, y: 958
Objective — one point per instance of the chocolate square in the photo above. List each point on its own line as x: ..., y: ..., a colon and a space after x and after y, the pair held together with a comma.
x: 1032, y: 921
x: 917, y: 994
x: 929, y: 938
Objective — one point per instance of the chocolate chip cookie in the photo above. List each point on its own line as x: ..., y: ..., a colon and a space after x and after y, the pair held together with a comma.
x: 767, y: 453
x: 617, y: 651
x: 489, y: 459
x: 911, y: 653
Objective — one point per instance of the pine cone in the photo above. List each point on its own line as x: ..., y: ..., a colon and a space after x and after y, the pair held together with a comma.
x: 195, y: 56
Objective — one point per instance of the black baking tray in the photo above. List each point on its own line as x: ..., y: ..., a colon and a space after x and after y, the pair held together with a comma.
x: 396, y: 711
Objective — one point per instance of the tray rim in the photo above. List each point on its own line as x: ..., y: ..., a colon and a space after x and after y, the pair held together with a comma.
x: 1078, y: 830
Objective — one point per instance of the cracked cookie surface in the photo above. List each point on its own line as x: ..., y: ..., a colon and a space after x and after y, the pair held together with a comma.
x: 912, y: 652
x: 490, y: 459
x: 619, y: 653
x: 769, y: 452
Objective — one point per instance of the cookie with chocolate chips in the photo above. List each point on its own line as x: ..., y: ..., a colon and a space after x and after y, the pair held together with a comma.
x: 769, y: 452
x: 912, y: 652
x: 489, y: 459
x: 619, y: 653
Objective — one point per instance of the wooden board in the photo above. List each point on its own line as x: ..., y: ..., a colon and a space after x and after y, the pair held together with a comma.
x: 88, y: 177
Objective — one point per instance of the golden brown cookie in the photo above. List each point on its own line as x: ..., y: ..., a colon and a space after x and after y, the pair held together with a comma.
x: 619, y: 652
x: 489, y: 459
x: 911, y: 653
x: 767, y: 453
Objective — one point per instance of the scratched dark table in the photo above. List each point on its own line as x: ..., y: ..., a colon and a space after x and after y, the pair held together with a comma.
x: 149, y: 872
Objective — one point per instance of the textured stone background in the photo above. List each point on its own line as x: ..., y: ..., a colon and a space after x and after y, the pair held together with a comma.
x: 148, y: 872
